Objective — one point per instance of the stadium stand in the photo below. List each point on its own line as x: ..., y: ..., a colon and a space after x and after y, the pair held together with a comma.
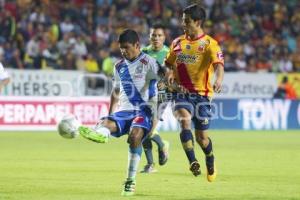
x: 259, y: 35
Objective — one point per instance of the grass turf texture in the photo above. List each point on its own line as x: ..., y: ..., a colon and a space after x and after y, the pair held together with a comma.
x: 251, y: 165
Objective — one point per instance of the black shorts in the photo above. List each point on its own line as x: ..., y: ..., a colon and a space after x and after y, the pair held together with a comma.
x: 199, y: 107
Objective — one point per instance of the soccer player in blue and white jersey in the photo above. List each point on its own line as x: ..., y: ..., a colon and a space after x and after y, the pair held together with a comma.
x: 130, y: 95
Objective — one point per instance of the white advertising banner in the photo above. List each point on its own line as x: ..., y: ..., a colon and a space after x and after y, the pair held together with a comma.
x: 248, y: 85
x: 43, y: 113
x: 45, y: 83
x: 72, y: 83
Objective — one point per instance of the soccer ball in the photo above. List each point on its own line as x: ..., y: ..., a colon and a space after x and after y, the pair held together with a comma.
x: 68, y: 127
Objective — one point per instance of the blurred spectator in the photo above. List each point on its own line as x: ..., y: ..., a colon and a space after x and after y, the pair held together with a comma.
x: 240, y: 62
x: 296, y: 60
x: 69, y: 61
x: 51, y: 56
x: 107, y: 63
x: 66, y: 26
x: 275, y: 63
x: 32, y: 53
x: 229, y: 65
x: 78, y: 46
x: 91, y: 64
x: 285, y: 64
x: 64, y: 44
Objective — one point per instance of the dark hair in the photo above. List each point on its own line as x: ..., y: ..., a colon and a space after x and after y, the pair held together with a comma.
x: 196, y: 12
x: 129, y: 36
x: 158, y: 26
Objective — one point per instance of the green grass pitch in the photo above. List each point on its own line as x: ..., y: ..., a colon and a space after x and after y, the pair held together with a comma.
x: 253, y: 165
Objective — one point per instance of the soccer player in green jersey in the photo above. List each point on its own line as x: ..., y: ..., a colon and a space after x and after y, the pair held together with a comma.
x: 159, y: 51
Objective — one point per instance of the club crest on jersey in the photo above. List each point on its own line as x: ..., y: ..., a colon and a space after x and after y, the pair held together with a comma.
x: 220, y: 55
x: 202, y: 45
x: 188, y: 47
x: 144, y: 61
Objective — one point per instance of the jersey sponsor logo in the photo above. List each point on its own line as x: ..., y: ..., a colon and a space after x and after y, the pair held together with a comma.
x: 187, y: 59
x: 138, y: 120
x: 220, y: 55
x: 138, y: 76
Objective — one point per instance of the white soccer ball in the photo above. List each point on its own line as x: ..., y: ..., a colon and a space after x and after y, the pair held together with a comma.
x: 68, y: 127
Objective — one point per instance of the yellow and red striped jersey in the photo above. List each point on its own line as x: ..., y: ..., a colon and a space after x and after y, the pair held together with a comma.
x: 193, y: 62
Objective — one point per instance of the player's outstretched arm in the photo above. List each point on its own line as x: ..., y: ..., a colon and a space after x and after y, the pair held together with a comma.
x: 219, y: 72
x: 114, y: 99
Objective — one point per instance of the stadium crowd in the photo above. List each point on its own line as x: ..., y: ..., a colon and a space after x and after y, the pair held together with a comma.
x: 260, y: 35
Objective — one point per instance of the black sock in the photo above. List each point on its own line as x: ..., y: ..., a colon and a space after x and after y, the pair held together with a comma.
x: 147, y: 145
x: 208, y: 151
x: 157, y: 139
x: 187, y: 142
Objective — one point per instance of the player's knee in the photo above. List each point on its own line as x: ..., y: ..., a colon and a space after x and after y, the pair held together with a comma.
x: 185, y: 123
x: 135, y: 137
x: 202, y: 138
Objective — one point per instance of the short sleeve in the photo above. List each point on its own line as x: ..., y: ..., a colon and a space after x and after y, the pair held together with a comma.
x: 216, y: 53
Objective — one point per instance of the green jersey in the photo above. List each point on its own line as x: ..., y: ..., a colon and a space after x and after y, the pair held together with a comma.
x: 158, y: 55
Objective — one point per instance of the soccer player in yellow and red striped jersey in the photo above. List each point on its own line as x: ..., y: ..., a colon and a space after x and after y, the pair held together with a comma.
x: 193, y: 60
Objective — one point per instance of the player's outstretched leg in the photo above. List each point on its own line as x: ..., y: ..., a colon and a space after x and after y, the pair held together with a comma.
x: 163, y: 148
x: 149, y: 167
x: 187, y: 141
x: 100, y: 134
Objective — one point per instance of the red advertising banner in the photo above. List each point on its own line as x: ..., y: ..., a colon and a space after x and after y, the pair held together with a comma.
x: 24, y: 113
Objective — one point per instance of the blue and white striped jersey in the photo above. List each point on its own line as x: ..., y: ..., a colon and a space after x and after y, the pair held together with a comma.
x: 133, y: 79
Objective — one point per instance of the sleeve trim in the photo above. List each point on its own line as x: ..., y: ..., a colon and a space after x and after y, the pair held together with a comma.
x: 218, y: 62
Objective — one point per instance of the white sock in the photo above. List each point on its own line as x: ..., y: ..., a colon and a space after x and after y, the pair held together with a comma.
x: 102, y: 130
x: 134, y: 157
